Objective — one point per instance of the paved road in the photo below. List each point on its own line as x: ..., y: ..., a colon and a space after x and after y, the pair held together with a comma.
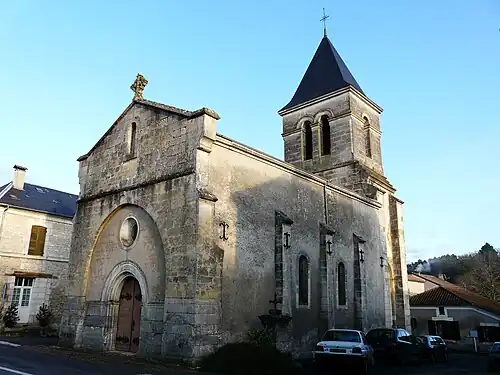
x: 36, y: 360
x: 458, y: 364
x: 26, y: 360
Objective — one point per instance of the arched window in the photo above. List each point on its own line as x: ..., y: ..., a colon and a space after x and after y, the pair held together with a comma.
x: 325, y: 136
x: 132, y: 139
x: 303, y: 281
x: 368, y: 144
x: 341, y: 284
x: 308, y: 141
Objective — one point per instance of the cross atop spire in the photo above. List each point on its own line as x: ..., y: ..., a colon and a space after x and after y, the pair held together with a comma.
x: 325, y: 17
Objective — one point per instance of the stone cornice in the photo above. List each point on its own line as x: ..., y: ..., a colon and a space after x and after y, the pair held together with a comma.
x: 319, y: 99
x: 155, y: 181
x: 281, y: 216
x: 206, y: 195
x: 326, y: 229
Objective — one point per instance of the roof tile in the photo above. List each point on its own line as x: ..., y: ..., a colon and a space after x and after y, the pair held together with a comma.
x: 438, y: 297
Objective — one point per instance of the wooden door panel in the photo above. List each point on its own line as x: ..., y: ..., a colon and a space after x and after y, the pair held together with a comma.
x: 125, y: 316
x: 136, y: 317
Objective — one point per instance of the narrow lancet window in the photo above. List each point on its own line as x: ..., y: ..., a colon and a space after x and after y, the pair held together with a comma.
x: 303, y: 281
x: 308, y: 141
x: 325, y: 136
x: 132, y: 139
x: 341, y: 284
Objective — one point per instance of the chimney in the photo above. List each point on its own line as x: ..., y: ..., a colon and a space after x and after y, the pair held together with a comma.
x: 18, y: 180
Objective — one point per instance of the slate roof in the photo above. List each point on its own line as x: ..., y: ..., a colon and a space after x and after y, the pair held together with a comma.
x: 326, y: 73
x: 448, y: 294
x: 41, y: 199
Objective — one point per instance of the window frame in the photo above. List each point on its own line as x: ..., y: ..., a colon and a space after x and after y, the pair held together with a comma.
x: 37, y: 241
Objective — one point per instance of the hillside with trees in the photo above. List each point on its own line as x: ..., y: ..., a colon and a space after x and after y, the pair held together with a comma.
x: 478, y: 272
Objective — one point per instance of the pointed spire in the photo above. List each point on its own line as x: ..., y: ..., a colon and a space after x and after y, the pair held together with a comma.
x: 326, y: 73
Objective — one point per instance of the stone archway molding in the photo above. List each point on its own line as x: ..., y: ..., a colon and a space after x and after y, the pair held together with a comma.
x: 102, y: 226
x: 116, y: 278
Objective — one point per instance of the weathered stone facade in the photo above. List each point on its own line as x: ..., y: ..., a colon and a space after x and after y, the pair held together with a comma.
x: 222, y: 228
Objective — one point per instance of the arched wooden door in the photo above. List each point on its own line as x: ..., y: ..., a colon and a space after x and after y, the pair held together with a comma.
x: 129, y: 317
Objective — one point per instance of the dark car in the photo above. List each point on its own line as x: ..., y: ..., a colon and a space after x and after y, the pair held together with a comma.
x: 435, y: 348
x: 494, y: 357
x: 395, y: 345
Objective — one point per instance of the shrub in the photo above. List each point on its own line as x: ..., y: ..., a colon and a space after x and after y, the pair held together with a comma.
x: 44, y: 315
x: 11, y: 316
x: 260, y: 336
x: 247, y: 358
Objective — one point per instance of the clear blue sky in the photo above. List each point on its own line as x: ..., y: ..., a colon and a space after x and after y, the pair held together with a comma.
x: 434, y: 66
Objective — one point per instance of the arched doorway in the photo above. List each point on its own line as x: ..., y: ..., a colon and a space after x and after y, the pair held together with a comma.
x: 129, y: 316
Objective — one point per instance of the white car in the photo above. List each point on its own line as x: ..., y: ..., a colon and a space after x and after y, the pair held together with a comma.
x: 344, y: 345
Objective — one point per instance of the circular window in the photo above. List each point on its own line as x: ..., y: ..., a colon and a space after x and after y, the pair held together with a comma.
x: 129, y: 231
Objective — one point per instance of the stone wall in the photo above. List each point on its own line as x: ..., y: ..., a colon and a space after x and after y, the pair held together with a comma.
x: 251, y: 188
x: 355, y: 123
x: 348, y: 137
x: 14, y: 243
x: 158, y: 186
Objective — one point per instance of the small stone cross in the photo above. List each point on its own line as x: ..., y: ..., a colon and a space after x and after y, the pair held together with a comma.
x: 138, y: 86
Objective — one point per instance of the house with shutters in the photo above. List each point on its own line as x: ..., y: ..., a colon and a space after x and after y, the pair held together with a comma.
x: 35, y: 237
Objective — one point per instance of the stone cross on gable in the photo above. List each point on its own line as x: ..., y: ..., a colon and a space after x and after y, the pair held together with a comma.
x: 138, y: 86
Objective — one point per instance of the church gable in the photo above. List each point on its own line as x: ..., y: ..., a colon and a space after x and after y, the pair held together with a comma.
x: 148, y: 142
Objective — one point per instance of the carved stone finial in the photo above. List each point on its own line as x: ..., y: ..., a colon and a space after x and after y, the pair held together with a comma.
x: 138, y: 86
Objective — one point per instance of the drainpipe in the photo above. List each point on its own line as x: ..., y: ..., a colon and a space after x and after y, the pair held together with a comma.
x: 5, y: 208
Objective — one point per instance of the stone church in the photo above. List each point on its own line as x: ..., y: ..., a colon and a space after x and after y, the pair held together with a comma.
x: 183, y: 236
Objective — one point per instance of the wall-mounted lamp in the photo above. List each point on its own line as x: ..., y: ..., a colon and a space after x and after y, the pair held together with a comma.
x: 361, y: 257
x: 329, y: 247
x: 224, y: 226
x: 381, y: 261
x: 287, y: 242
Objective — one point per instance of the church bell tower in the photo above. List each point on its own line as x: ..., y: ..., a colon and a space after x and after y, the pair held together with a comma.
x: 331, y: 128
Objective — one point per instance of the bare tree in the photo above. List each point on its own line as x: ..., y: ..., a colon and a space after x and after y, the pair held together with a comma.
x: 484, y: 276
